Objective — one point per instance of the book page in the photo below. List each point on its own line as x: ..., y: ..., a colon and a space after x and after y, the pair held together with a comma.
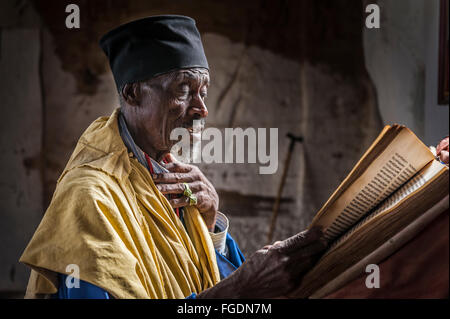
x: 400, y: 161
x: 420, y: 179
x: 403, y: 207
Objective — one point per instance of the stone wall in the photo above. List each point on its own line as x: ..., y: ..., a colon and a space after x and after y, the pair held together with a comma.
x: 21, y: 134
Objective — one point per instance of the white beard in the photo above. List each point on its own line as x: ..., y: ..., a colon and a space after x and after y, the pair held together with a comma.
x: 194, y: 147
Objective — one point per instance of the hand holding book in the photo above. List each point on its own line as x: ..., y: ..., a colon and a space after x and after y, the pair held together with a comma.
x: 442, y: 150
x: 273, y: 271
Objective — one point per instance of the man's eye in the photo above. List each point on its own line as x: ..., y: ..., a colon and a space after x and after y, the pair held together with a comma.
x: 203, y: 93
x: 183, y: 91
x: 183, y: 94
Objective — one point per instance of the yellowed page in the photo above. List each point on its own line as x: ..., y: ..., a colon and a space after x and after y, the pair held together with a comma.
x: 426, y: 175
x: 401, y: 208
x: 398, y: 163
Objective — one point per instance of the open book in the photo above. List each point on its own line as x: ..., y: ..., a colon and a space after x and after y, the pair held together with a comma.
x: 395, y: 182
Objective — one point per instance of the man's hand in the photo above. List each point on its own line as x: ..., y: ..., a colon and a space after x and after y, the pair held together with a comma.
x: 273, y: 271
x: 172, y: 183
x: 442, y: 150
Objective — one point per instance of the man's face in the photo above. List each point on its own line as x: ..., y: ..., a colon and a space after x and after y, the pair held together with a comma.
x: 167, y: 102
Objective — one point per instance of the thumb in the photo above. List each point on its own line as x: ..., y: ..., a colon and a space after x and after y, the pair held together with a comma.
x: 442, y: 146
x: 171, y: 159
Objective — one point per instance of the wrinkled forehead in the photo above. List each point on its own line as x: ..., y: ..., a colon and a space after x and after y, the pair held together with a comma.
x: 199, y: 76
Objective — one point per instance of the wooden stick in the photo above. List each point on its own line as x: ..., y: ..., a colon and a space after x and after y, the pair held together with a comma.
x: 276, y: 205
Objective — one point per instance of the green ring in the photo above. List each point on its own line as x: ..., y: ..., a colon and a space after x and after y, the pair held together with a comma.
x: 192, y: 200
x: 188, y: 193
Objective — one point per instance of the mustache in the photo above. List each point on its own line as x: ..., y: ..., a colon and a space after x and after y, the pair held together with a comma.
x: 194, y: 125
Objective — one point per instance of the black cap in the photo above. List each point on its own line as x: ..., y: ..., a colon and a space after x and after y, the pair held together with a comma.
x: 142, y: 49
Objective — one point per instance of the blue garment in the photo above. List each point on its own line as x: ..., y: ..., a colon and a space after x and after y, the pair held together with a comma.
x: 235, y: 258
x: 84, y: 291
x: 90, y: 291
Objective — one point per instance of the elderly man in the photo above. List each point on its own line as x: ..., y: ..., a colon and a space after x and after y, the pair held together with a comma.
x: 130, y: 222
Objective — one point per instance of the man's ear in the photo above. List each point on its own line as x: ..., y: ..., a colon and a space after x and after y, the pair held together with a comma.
x: 132, y: 94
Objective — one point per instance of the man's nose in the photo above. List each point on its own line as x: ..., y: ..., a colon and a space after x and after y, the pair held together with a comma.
x: 198, y: 108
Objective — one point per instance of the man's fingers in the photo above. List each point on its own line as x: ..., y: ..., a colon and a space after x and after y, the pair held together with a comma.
x: 169, y: 178
x: 300, y: 240
x: 170, y: 188
x: 444, y: 157
x: 179, y: 202
x: 443, y: 146
x: 178, y: 188
x: 275, y: 244
x: 177, y: 167
x: 300, y: 267
x: 171, y: 159
x: 316, y: 248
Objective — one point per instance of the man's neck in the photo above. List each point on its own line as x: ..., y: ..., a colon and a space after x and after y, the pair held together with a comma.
x: 157, y: 155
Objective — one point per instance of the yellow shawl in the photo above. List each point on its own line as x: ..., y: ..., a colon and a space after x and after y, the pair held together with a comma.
x: 108, y: 218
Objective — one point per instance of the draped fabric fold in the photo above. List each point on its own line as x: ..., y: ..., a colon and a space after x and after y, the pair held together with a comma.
x: 108, y: 218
